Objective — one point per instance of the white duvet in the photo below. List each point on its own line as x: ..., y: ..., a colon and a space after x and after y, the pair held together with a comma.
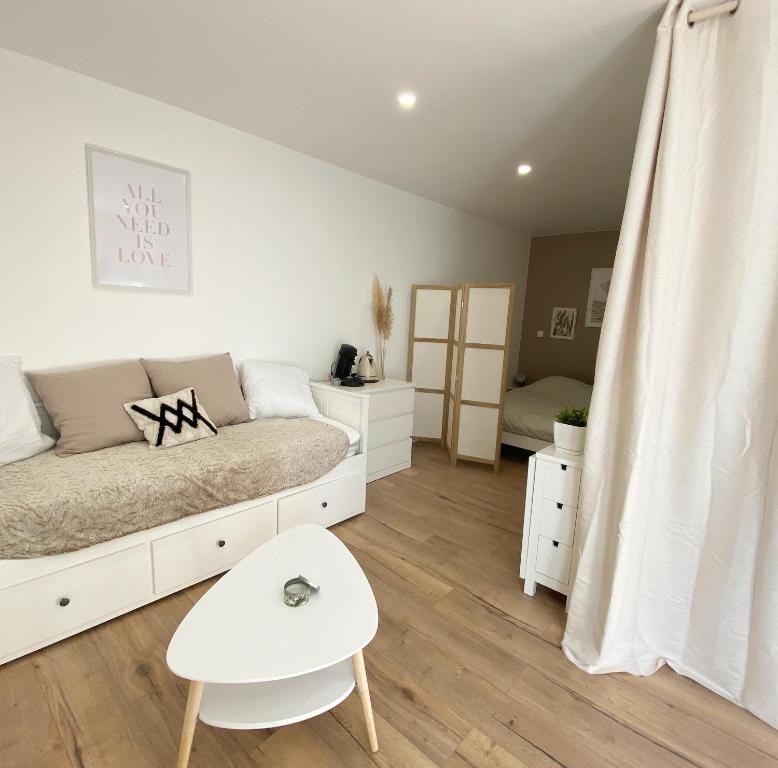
x: 531, y: 410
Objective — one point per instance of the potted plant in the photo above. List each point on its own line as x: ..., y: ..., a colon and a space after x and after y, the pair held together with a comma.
x: 570, y: 429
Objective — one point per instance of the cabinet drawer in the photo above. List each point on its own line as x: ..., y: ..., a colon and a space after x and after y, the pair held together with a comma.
x: 325, y: 504
x: 561, y: 483
x: 388, y: 456
x: 33, y: 611
x: 553, y: 559
x: 387, y: 404
x: 389, y: 431
x: 557, y: 521
x: 211, y: 547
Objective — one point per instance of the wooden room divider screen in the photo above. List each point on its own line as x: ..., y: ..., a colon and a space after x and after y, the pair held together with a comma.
x: 458, y: 358
x: 429, y: 358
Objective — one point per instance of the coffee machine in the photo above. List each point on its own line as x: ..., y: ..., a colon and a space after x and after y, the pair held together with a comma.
x: 344, y: 365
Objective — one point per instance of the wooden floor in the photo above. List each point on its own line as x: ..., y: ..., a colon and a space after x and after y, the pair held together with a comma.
x: 465, y: 670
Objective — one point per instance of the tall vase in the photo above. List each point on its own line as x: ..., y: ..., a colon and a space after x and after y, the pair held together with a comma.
x: 381, y: 357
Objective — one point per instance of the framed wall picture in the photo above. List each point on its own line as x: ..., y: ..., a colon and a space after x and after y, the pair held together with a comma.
x: 599, y: 285
x: 139, y: 222
x: 563, y: 322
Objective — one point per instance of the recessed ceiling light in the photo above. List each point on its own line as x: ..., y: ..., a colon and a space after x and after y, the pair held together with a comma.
x: 407, y: 99
x: 524, y: 169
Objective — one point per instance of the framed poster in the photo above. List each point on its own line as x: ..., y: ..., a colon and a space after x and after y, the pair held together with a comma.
x: 139, y: 223
x: 563, y: 322
x: 599, y: 285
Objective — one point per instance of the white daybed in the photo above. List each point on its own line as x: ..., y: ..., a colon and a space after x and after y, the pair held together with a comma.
x: 46, y: 599
x: 529, y: 412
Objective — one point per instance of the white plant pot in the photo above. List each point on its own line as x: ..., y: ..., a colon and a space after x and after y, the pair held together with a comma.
x: 569, y: 438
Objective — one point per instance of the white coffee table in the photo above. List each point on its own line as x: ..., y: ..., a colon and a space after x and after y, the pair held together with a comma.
x: 255, y: 662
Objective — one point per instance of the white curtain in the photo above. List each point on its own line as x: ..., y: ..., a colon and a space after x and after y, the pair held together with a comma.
x: 678, y: 560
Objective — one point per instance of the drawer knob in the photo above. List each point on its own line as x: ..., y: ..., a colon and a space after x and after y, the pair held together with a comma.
x: 564, y: 467
x: 555, y: 543
x: 64, y: 601
x: 558, y: 505
x: 221, y: 542
x: 324, y: 505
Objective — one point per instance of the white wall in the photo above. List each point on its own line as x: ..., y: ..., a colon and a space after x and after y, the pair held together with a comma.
x: 284, y: 246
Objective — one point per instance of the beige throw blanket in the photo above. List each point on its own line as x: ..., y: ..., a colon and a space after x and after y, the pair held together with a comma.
x: 50, y: 505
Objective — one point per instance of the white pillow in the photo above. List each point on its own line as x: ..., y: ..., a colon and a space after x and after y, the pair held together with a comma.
x: 275, y: 391
x: 20, y: 424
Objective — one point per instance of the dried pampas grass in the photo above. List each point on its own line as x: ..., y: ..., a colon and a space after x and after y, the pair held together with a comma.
x: 383, y: 313
x: 383, y: 317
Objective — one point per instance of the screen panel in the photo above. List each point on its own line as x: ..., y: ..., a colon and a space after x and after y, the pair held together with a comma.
x: 433, y: 312
x: 454, y: 358
x: 482, y: 375
x: 428, y: 415
x: 487, y: 315
x: 477, y: 432
x: 450, y: 425
x: 457, y: 313
x: 429, y: 364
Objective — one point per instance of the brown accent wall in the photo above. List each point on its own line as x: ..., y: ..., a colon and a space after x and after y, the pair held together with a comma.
x: 559, y: 270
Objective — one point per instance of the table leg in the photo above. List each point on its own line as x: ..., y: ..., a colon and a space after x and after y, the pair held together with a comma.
x: 190, y: 721
x: 360, y: 675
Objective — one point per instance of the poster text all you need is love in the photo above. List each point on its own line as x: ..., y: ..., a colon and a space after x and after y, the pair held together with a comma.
x: 142, y: 216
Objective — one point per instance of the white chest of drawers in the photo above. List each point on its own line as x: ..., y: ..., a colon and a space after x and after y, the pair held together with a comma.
x: 389, y: 416
x: 550, y: 517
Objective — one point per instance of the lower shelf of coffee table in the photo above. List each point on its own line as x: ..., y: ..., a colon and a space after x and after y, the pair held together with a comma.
x: 249, y: 706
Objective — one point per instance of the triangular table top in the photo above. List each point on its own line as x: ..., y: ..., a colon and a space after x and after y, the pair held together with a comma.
x: 241, y: 631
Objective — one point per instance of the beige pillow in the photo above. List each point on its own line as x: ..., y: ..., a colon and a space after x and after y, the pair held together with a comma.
x: 172, y: 419
x: 214, y: 380
x: 86, y: 405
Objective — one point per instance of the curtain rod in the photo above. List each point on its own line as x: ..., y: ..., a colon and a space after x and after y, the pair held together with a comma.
x: 716, y: 10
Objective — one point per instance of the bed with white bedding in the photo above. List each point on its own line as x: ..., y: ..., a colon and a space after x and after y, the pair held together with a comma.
x: 529, y: 412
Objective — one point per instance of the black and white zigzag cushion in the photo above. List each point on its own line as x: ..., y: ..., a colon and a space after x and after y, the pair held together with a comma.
x: 172, y: 419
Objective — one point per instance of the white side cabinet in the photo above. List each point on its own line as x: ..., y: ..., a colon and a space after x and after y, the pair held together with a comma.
x: 550, y: 517
x: 389, y: 421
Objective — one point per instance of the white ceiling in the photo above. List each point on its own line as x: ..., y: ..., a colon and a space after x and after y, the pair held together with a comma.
x: 558, y: 84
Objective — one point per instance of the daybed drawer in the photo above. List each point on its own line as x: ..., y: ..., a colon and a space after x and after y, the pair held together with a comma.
x: 389, y: 456
x: 561, y: 483
x: 386, y: 404
x: 553, y: 559
x: 211, y: 547
x: 389, y: 431
x: 63, y: 602
x: 557, y: 521
x: 325, y: 504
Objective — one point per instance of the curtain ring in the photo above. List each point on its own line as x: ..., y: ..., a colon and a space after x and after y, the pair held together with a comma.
x: 692, y: 11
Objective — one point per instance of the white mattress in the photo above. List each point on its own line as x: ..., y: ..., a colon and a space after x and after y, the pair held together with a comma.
x: 530, y: 411
x: 351, y: 433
